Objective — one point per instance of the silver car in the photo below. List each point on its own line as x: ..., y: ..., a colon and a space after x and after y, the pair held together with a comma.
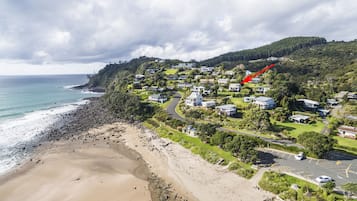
x: 323, y: 179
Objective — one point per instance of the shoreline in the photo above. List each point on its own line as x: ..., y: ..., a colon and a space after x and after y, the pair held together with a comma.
x: 78, y: 132
x: 165, y: 170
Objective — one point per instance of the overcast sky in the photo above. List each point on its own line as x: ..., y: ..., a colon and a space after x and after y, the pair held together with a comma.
x: 66, y: 36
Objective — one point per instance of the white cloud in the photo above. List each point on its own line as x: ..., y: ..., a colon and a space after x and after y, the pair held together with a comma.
x: 41, y: 31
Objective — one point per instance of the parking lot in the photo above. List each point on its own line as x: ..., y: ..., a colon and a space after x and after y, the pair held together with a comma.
x: 341, y: 167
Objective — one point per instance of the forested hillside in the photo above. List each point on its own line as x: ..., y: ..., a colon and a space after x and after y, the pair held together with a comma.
x: 276, y: 49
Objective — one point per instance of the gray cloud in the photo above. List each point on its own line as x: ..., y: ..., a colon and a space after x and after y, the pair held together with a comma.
x: 42, y: 31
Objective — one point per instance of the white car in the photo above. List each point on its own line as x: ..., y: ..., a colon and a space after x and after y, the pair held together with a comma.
x: 323, y: 179
x: 300, y: 156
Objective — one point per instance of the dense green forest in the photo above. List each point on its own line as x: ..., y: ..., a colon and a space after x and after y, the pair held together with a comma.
x: 276, y: 49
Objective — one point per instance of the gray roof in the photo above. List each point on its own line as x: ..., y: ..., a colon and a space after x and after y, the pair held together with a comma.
x: 264, y: 99
x: 299, y: 117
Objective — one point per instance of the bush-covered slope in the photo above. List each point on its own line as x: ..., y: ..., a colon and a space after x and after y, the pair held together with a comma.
x: 277, y: 49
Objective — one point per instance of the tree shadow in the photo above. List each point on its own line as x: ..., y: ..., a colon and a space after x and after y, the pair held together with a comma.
x: 338, y: 155
x: 265, y: 158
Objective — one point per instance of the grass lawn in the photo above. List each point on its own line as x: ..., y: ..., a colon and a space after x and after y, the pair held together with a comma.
x: 239, y: 102
x: 346, y: 144
x: 280, y: 184
x: 296, y: 129
x: 171, y: 71
x: 212, y: 154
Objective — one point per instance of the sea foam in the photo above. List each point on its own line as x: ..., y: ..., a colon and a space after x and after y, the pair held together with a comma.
x: 16, y: 133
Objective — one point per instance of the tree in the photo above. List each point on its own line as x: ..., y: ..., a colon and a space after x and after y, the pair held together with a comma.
x: 329, y: 186
x: 256, y: 119
x: 350, y: 188
x: 205, y: 131
x: 221, y: 138
x: 281, y: 114
x: 316, y: 143
x: 243, y: 147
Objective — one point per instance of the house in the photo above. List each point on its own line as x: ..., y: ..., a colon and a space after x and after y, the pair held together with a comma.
x: 201, y: 89
x: 158, y: 98
x: 215, y: 73
x: 262, y: 90
x: 234, y: 87
x: 309, y: 104
x: 299, y: 118
x: 182, y: 77
x: 228, y: 110
x: 195, y: 99
x: 323, y: 112
x: 332, y: 102
x: 197, y: 77
x: 248, y: 72
x: 347, y: 131
x: 248, y: 99
x: 229, y: 72
x: 256, y: 80
x: 265, y: 103
x: 184, y: 85
x: 206, y: 81
x: 184, y: 65
x: 151, y: 71
x: 205, y: 69
x: 209, y: 104
x: 172, y: 77
x: 340, y: 95
x: 139, y: 76
x: 190, y: 130
x: 223, y: 81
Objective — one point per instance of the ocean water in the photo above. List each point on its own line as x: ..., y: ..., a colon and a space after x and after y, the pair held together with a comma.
x: 31, y: 104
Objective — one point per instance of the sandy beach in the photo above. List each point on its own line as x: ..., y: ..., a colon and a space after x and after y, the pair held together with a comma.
x: 95, y: 165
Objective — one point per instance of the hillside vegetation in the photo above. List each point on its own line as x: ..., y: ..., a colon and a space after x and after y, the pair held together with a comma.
x: 276, y: 49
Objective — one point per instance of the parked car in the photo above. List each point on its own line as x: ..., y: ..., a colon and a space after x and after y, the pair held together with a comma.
x: 300, y: 156
x: 323, y: 179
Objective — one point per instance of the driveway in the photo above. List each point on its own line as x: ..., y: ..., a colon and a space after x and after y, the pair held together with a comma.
x: 341, y: 167
x: 171, y: 108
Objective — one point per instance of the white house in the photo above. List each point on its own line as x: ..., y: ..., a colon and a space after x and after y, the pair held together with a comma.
x: 309, y: 104
x: 332, y: 102
x: 299, y: 118
x: 195, y: 99
x: 347, y: 131
x: 229, y: 72
x: 265, y: 102
x: 190, y: 130
x: 158, y: 98
x: 256, y: 80
x: 209, y: 104
x: 262, y: 90
x: 248, y: 72
x: 206, y: 69
x: 223, y: 81
x: 228, y: 110
x: 184, y: 65
x: 184, y: 85
x: 234, y: 87
x: 139, y: 76
x: 201, y: 89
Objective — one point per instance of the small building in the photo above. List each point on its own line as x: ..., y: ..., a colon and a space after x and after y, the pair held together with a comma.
x: 201, y: 89
x: 184, y: 65
x: 195, y: 99
x: 205, y: 69
x: 262, y: 90
x: 223, y: 81
x: 182, y: 77
x: 228, y: 110
x: 229, y: 72
x: 206, y: 81
x: 184, y: 85
x: 151, y: 71
x: 247, y: 72
x: 265, y: 103
x: 235, y: 87
x: 332, y: 102
x: 323, y: 112
x: 197, y: 77
x: 299, y: 118
x: 190, y: 130
x: 158, y: 98
x: 256, y: 80
x: 309, y: 104
x: 209, y: 104
x: 249, y: 99
x: 139, y: 76
x: 347, y: 131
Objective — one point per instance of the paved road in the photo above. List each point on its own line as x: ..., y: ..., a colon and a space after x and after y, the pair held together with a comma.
x: 341, y: 167
x: 171, y: 108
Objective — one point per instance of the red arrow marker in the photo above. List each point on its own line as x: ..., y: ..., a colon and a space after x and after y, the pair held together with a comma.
x: 249, y: 78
